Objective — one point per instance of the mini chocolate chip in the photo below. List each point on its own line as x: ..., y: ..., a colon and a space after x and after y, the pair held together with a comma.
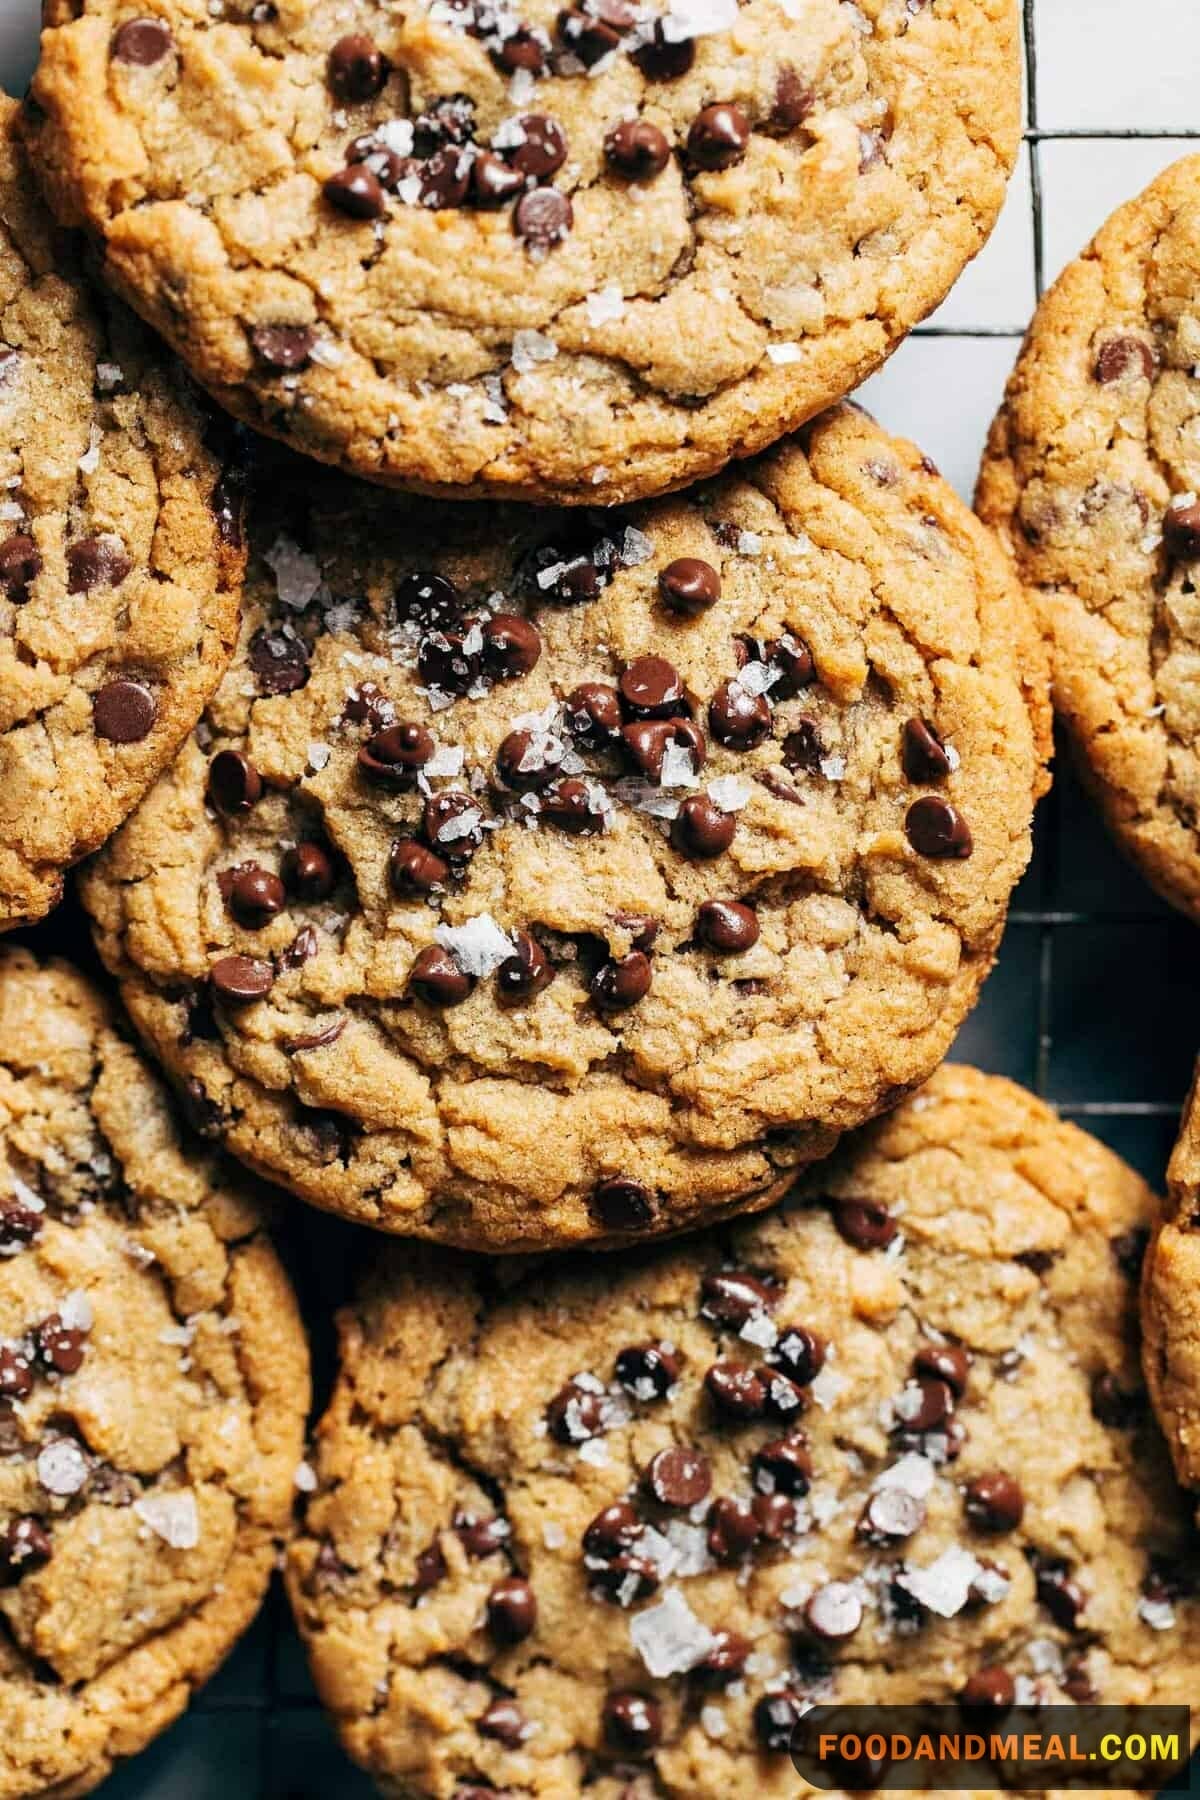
x: 505, y: 1722
x: 994, y: 1502
x: 511, y: 646
x: 727, y: 927
x: 60, y: 1347
x: 96, y: 562
x: 141, y: 43
x: 725, y: 1661
x: 481, y: 1536
x: 241, y: 979
x: 356, y: 192
x: 358, y: 69
x: 279, y: 662
x: 20, y: 566
x: 522, y: 977
x: 733, y: 1530
x: 620, y: 984
x: 646, y: 742
x: 24, y: 1546
x: 569, y: 806
x: 783, y: 1466
x: 889, y: 1516
x: 701, y: 830
x: 737, y: 1391
x: 834, y: 1611
x: 678, y: 1477
x: 637, y: 149
x: 865, y: 1224
x: 123, y: 712
x: 924, y: 753
x: 543, y: 149
x: 543, y: 217
x: 575, y: 1414
x: 493, y: 182
x: 801, y: 1352
x: 395, y: 756
x: 776, y: 1717
x: 989, y: 1689
x: 776, y: 1516
x: 944, y: 1362
x: 664, y: 59
x: 286, y: 348
x: 935, y: 828
x: 1124, y: 359
x: 651, y: 688
x: 737, y: 718
x: 648, y: 1371
x: 1114, y: 1405
x: 792, y: 103
x: 1061, y: 1596
x: 16, y: 1374
x: 592, y: 715
x: 445, y: 662
x: 308, y: 872
x: 622, y: 1204
x: 426, y: 598
x: 614, y: 1530
x: 734, y: 1296
x: 1181, y: 532
x: 415, y: 869
x: 255, y: 896
x: 527, y: 761
x: 234, y: 784
x: 512, y: 1610
x: 436, y: 978
x: 718, y: 136
x: 632, y: 1723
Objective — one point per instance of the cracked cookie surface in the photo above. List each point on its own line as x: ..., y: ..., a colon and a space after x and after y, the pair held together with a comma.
x: 1091, y: 477
x: 118, y: 579
x: 153, y: 1393
x: 604, y: 1528
x: 544, y: 877
x: 577, y: 254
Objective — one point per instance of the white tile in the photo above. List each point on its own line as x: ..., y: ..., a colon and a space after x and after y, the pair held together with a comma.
x: 943, y: 393
x: 1104, y: 65
x: 996, y: 292
x: 18, y: 43
x: 1084, y: 180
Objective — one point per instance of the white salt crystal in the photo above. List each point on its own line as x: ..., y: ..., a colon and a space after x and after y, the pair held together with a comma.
x: 172, y: 1517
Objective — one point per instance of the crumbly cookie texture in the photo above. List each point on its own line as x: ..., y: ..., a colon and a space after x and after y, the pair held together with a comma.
x: 153, y: 1393
x: 1171, y: 1304
x: 120, y: 555
x: 582, y: 254
x: 607, y: 1528
x: 541, y: 878
x: 1091, y: 477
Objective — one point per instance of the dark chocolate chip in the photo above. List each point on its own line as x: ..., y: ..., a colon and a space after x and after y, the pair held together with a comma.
x: 436, y: 978
x: 512, y: 1610
x: 395, y: 756
x: 505, y: 1722
x: 803, y: 748
x: 733, y: 1530
x: 415, y: 869
x: 794, y: 661
x: 737, y: 718
x: 1114, y: 1405
x: 613, y: 1531
x: 286, y: 348
x: 620, y: 984
x: 60, y: 1347
x: 357, y: 192
x: 678, y: 1477
x: 989, y: 1689
x: 527, y: 761
x: 994, y: 1502
x: 1061, y: 1596
x: 493, y: 182
x: 648, y: 1371
x: 445, y: 662
x: 935, y: 828
x: 431, y: 1568
x: 576, y: 1413
x: 123, y: 712
x: 511, y: 646
x: 944, y: 1362
x: 522, y: 977
x: 543, y: 149
x: 234, y: 784
x: 279, y: 662
x: 924, y: 754
x: 637, y: 149
x: 783, y: 1466
x: 19, y: 1225
x: 543, y: 217
x: 25, y: 1545
x: 725, y: 1661
x: 801, y: 1352
x: 718, y: 136
x: 308, y: 872
x: 1181, y: 532
x: 889, y: 1516
x: 737, y: 1391
x: 426, y: 598
x: 96, y: 562
x: 834, y: 1611
x: 445, y: 178
x: 727, y: 927
x: 792, y: 103
x: 592, y: 714
x: 632, y: 1723
x: 16, y: 1374
x: 241, y: 979
x: 255, y: 896
x: 1124, y: 359
x: 453, y: 824
x: 776, y: 1717
x: 481, y: 1536
x: 622, y: 1204
x: 651, y: 688
x: 701, y: 830
x: 358, y: 69
x: 734, y: 1296
x: 646, y: 742
x: 142, y: 43
x: 569, y: 806
x: 20, y: 566
x: 866, y: 1224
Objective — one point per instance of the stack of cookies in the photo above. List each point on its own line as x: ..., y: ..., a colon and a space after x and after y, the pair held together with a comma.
x: 552, y: 775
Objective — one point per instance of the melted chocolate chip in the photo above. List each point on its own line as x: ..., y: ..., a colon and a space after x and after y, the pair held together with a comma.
x: 395, y: 756
x: 20, y: 566
x: 935, y: 828
x: 792, y: 103
x: 783, y: 1466
x: 286, y: 348
x: 944, y: 1362
x: 733, y: 1297
x: 279, y: 663
x: 647, y: 741
x: 569, y: 806
x: 358, y: 69
x: 733, y: 1530
x: 637, y: 149
x: 512, y: 1610
x: 522, y: 977
x: 718, y: 136
x: 725, y: 1661
x: 592, y: 715
x: 803, y: 748
x: 727, y: 927
x: 453, y: 825
x: 701, y: 830
x: 994, y: 1502
x: 865, y: 1224
x: 737, y: 1391
x: 234, y: 784
x: 651, y: 688
x: 613, y: 1531
x: 1124, y: 359
x: 1061, y: 1596
x: 648, y: 1371
x: 924, y: 754
x: 664, y: 59
x: 356, y: 192
x: 620, y: 984
x: 142, y: 43
x: 737, y: 718
x: 622, y: 1204
x: 576, y: 1413
x: 436, y: 978
x: 96, y: 562
x: 241, y: 979
x: 801, y: 1352
x: 123, y: 712
x: 445, y: 661
x: 527, y: 761
x: 308, y: 872
x: 793, y: 659
x: 1114, y: 1405
x: 511, y: 646
x: 415, y: 869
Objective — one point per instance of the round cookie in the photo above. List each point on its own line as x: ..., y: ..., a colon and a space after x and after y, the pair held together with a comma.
x: 581, y: 253
x: 1091, y: 477
x: 153, y: 1393
x: 544, y: 878
x: 1171, y: 1302
x: 120, y: 554
x: 885, y: 1444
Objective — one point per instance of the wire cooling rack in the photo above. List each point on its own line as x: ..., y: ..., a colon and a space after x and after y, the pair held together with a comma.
x: 1095, y: 1003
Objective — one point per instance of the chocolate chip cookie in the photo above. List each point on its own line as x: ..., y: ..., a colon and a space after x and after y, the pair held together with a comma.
x: 609, y: 1528
x: 120, y: 555
x: 1091, y: 476
x: 153, y: 1391
x: 1171, y: 1300
x: 540, y: 878
x: 580, y: 252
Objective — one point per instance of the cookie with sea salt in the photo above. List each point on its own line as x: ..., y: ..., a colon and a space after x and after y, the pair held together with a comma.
x: 153, y: 1392
x: 541, y: 878
x: 581, y: 252
x: 1092, y: 476
x: 609, y: 1528
x: 120, y: 554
